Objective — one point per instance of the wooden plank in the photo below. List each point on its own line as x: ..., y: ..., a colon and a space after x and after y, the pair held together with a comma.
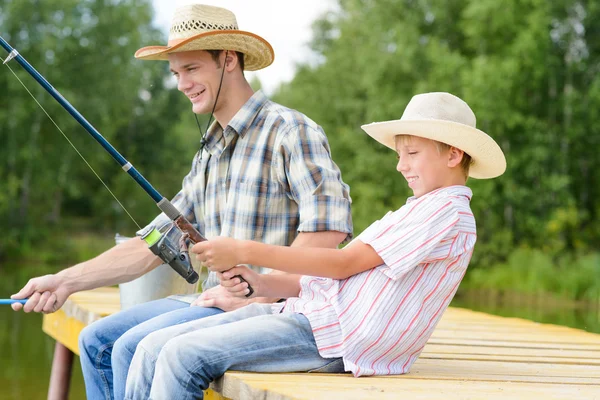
x: 508, y: 371
x: 89, y: 305
x: 536, y: 337
x: 509, y: 351
x: 513, y: 358
x: 63, y: 329
x: 471, y: 355
x: 240, y: 385
x: 513, y: 343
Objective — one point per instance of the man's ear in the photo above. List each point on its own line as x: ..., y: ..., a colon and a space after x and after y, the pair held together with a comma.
x: 231, y: 60
x: 455, y: 156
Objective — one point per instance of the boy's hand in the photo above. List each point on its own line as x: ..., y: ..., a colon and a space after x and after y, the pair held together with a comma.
x: 237, y: 287
x: 218, y: 254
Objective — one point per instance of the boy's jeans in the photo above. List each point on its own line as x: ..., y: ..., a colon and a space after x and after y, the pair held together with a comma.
x: 179, y: 362
x: 106, y: 347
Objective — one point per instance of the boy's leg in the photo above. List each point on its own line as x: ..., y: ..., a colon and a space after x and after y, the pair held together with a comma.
x: 124, y: 347
x: 97, y: 339
x: 180, y: 362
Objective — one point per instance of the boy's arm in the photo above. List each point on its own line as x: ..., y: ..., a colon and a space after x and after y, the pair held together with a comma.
x: 222, y: 253
x: 266, y: 286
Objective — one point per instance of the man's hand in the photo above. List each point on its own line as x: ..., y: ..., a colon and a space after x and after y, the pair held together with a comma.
x: 219, y: 297
x: 218, y: 254
x: 238, y: 288
x: 46, y: 294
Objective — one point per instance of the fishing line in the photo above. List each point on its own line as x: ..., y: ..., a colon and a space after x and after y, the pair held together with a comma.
x: 73, y: 146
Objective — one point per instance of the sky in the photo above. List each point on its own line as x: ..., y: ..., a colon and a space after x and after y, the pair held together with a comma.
x: 285, y: 24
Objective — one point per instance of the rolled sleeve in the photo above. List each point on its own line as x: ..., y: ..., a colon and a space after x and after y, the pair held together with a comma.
x: 314, y: 181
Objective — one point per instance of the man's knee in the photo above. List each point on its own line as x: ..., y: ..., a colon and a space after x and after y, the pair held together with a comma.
x: 90, y: 338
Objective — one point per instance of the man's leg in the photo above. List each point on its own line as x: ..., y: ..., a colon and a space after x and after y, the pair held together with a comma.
x: 180, y: 362
x: 97, y: 339
x: 125, y: 346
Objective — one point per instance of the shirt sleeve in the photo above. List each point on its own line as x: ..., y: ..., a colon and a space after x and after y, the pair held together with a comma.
x: 183, y: 201
x: 314, y: 181
x: 410, y: 240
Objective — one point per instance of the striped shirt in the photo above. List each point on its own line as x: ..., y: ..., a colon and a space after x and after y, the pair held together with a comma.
x: 266, y: 177
x: 379, y: 320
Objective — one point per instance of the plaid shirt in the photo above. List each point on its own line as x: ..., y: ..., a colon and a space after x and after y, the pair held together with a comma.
x: 266, y: 177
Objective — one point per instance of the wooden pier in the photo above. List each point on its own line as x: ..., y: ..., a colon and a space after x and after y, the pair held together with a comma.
x: 471, y: 355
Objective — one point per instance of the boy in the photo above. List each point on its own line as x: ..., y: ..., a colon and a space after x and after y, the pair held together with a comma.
x: 368, y: 308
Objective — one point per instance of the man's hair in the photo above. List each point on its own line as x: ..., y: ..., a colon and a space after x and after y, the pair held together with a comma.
x: 465, y: 163
x: 215, y: 54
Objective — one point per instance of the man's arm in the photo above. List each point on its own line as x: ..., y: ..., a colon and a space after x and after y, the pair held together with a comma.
x: 122, y: 263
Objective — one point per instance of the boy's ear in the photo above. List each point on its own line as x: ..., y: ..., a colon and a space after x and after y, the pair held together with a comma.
x: 455, y: 157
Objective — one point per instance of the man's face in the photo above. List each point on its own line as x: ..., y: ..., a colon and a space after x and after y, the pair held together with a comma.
x: 198, y: 77
x: 423, y: 166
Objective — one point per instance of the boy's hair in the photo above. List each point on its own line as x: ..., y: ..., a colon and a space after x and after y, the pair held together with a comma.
x: 216, y: 53
x: 465, y: 163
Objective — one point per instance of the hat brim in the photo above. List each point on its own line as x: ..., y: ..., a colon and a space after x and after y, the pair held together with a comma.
x: 488, y: 160
x: 258, y: 53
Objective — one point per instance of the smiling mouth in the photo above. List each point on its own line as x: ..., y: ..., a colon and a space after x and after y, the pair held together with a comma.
x: 193, y: 96
x: 412, y: 179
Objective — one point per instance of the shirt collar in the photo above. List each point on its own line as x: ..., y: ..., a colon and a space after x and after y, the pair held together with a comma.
x: 243, y: 119
x: 240, y: 123
x: 457, y: 190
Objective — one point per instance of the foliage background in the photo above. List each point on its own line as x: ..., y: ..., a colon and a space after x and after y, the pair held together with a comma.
x: 528, y: 68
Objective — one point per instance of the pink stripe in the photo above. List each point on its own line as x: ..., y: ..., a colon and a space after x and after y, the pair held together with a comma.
x: 358, y: 293
x: 427, y: 242
x: 393, y: 315
x: 415, y: 317
x: 347, y: 338
x: 403, y: 218
x: 442, y: 308
x: 326, y: 326
x: 415, y: 228
x: 319, y: 310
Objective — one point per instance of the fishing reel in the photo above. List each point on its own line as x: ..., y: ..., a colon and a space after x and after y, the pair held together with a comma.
x: 171, y: 245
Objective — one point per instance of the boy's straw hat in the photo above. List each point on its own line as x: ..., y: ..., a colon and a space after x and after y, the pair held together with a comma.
x: 445, y: 118
x: 202, y: 27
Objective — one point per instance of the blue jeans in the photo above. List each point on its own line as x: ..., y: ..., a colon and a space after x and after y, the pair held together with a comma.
x: 179, y: 362
x: 107, y: 346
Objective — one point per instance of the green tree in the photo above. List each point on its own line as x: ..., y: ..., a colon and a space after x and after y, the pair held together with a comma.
x: 85, y: 49
x: 529, y: 70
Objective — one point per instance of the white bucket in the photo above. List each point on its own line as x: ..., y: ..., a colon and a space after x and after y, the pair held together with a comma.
x: 157, y: 284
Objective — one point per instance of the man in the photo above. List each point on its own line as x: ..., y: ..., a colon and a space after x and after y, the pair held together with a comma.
x: 263, y: 172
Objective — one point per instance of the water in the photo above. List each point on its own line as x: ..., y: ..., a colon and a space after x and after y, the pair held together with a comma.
x: 27, y: 352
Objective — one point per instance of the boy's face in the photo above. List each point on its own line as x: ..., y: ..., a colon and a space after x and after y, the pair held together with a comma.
x: 422, y: 164
x: 198, y: 77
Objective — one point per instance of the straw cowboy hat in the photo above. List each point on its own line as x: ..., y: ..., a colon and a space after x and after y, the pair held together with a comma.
x: 202, y: 27
x: 445, y: 118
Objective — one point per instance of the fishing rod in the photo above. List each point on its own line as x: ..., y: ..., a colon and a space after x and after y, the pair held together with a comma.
x: 11, y: 301
x: 170, y: 243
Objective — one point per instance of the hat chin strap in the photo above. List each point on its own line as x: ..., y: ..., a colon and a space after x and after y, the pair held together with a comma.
x: 203, y: 139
